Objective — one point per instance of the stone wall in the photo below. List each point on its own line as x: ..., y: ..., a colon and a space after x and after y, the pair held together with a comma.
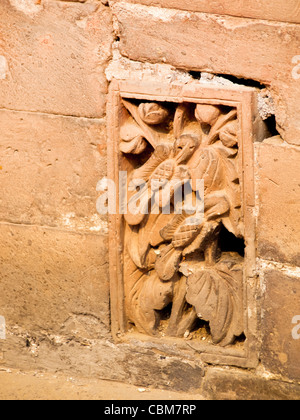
x: 57, y: 59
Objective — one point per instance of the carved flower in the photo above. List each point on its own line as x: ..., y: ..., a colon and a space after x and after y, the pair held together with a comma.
x: 153, y: 113
x: 228, y: 134
x: 207, y: 114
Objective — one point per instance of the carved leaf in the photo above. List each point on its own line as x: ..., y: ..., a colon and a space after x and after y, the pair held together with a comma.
x: 138, y: 205
x: 216, y: 294
x: 150, y: 135
x: 156, y: 224
x: 221, y: 122
x: 136, y: 247
x: 228, y: 135
x: 130, y: 130
x: 144, y: 236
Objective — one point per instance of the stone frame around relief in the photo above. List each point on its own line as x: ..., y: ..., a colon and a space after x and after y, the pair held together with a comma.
x: 244, y: 99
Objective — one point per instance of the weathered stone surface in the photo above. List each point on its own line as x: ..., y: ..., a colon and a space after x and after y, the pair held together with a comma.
x: 56, y: 54
x: 278, y: 183
x: 33, y: 386
x: 49, y: 278
x: 280, y: 348
x: 234, y: 385
x: 246, y: 48
x: 285, y: 12
x: 174, y: 372
x: 50, y: 169
x: 74, y: 354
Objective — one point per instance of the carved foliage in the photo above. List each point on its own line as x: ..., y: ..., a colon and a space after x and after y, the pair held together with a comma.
x: 215, y: 293
x: 175, y: 268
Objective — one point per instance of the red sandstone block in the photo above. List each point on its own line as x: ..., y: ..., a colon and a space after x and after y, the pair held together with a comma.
x: 280, y: 316
x: 48, y: 275
x: 50, y: 169
x: 278, y: 177
x: 55, y: 56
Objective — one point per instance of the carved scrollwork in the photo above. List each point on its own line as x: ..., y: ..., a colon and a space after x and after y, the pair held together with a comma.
x: 174, y: 261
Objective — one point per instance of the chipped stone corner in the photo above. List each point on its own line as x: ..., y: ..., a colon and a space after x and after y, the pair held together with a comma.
x: 94, y: 224
x: 122, y: 68
x: 266, y: 104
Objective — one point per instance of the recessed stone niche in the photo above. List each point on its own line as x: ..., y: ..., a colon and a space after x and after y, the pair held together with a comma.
x: 185, y: 279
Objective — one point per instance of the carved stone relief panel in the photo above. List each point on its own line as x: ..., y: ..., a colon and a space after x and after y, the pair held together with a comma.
x: 182, y: 242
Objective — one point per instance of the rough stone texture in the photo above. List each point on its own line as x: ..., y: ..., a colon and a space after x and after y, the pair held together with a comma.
x: 217, y: 44
x: 236, y: 385
x: 142, y: 367
x: 278, y: 179
x: 285, y: 12
x: 16, y: 385
x: 280, y: 351
x: 48, y: 276
x: 56, y: 54
x: 50, y: 169
x: 71, y: 352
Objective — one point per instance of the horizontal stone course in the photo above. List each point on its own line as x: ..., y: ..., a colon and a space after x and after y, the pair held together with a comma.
x: 288, y: 11
x: 235, y: 385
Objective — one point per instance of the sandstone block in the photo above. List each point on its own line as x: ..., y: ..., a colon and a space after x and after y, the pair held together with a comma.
x: 50, y: 169
x: 53, y: 281
x: 281, y: 310
x: 278, y: 229
x: 236, y: 385
x: 56, y: 55
x: 142, y: 367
